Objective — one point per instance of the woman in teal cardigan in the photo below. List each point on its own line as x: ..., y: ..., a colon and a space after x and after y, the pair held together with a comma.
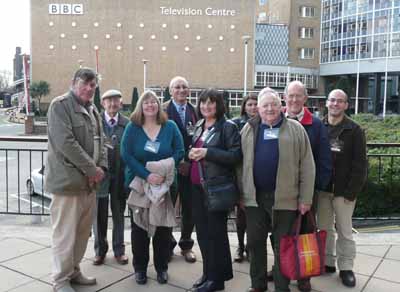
x: 149, y: 137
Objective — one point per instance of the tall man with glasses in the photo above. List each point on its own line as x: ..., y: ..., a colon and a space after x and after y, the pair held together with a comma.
x: 183, y: 113
x: 336, y: 205
x: 76, y: 161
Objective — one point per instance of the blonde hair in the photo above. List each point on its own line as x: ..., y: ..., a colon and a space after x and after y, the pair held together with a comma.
x: 137, y: 117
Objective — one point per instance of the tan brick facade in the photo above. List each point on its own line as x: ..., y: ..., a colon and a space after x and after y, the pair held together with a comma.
x: 207, y: 49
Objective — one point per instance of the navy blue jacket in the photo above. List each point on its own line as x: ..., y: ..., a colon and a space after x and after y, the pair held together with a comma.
x: 318, y: 135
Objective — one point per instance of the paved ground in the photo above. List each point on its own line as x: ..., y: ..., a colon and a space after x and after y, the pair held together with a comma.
x: 25, y: 265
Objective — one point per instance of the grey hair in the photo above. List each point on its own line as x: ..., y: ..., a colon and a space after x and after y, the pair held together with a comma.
x: 85, y: 74
x: 176, y: 79
x: 297, y: 82
x: 268, y: 92
x: 338, y: 91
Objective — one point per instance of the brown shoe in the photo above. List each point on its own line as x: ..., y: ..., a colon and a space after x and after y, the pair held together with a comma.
x: 122, y: 259
x: 189, y: 255
x: 99, y: 260
x: 304, y: 285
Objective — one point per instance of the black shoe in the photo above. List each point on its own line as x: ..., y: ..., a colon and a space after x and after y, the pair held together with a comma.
x: 304, y: 285
x: 162, y: 277
x: 200, y: 281
x: 141, y: 277
x: 270, y: 276
x: 210, y: 286
x: 239, y: 257
x: 330, y: 269
x: 348, y: 278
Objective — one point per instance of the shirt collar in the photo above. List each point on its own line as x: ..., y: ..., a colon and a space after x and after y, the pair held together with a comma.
x: 108, y: 118
x: 299, y: 116
x: 178, y: 106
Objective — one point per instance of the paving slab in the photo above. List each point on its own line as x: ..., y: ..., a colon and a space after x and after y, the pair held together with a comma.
x: 389, y: 270
x: 366, y: 264
x: 373, y: 250
x: 11, y: 279
x: 15, y: 247
x: 378, y: 285
x: 394, y: 253
x: 34, y: 286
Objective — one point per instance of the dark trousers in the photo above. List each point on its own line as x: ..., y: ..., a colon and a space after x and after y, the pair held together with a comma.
x: 240, y: 226
x: 185, y: 197
x: 118, y: 205
x: 262, y: 220
x: 212, y: 236
x: 140, y: 248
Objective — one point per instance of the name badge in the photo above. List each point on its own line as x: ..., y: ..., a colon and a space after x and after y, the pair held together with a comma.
x: 151, y: 146
x: 270, y: 134
x: 336, y: 145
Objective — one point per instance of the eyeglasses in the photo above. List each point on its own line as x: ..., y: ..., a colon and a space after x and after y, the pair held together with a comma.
x: 152, y: 102
x: 180, y: 87
x: 340, y: 101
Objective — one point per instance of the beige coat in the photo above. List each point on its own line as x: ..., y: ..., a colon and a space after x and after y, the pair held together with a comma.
x: 296, y: 169
x: 153, y: 207
x: 75, y: 145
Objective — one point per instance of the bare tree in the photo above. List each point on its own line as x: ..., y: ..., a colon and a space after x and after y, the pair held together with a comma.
x: 5, y: 77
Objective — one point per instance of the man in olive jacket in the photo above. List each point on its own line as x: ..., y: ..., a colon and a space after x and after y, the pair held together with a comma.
x: 336, y: 206
x: 75, y: 162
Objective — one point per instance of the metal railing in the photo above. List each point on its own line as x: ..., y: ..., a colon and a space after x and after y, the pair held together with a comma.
x: 21, y: 158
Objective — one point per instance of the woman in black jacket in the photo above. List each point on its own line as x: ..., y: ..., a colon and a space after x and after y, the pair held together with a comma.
x: 215, y: 151
x: 248, y: 110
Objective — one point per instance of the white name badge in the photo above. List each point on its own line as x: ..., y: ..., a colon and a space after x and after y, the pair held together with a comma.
x: 151, y: 146
x: 270, y: 134
x: 337, y: 145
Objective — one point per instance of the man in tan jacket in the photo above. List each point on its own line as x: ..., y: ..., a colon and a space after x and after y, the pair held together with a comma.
x: 277, y: 181
x: 76, y: 162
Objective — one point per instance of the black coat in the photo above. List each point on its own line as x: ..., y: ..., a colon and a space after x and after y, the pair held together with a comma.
x: 223, y: 148
x: 349, y: 158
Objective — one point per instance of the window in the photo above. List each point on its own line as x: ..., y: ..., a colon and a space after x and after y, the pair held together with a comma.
x: 306, y: 32
x: 306, y: 53
x: 307, y: 11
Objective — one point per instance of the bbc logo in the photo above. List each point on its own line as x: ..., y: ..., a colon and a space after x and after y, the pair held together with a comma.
x: 65, y: 8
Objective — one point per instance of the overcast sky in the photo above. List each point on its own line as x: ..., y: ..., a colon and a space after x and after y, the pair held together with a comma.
x: 14, y: 30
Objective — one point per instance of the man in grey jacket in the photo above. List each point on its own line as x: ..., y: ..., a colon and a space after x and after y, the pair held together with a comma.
x: 76, y: 162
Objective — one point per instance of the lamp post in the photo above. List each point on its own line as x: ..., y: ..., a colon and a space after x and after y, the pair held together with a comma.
x: 288, y: 73
x: 358, y: 45
x: 245, y: 39
x: 80, y: 62
x: 144, y: 73
x: 388, y: 52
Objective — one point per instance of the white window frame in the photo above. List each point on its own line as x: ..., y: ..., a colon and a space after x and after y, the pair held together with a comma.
x: 306, y: 32
x: 307, y: 11
x: 306, y: 53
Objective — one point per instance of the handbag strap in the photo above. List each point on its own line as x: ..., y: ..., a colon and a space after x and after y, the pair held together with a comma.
x: 200, y: 168
x: 297, y: 223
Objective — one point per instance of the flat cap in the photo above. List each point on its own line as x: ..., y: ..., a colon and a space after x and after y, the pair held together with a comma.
x: 111, y: 93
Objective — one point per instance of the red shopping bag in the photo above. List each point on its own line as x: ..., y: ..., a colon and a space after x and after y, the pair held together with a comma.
x: 303, y: 255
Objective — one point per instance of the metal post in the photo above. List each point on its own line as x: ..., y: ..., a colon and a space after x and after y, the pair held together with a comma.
x: 388, y: 43
x: 246, y: 39
x: 358, y: 34
x: 144, y: 73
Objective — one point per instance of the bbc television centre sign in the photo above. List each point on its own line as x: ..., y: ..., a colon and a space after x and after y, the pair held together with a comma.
x: 76, y: 9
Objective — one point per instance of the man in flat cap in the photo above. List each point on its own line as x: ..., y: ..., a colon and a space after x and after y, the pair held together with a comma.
x: 113, y: 185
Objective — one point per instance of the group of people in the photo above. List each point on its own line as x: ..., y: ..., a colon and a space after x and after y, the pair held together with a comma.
x: 281, y: 160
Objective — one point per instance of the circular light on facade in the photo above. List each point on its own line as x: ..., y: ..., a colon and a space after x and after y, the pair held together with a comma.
x: 73, y: 47
x: 153, y: 36
x: 209, y: 49
x: 51, y: 23
x: 164, y: 25
x: 119, y: 48
x: 85, y: 35
x: 62, y: 35
x: 96, y: 24
x: 163, y: 49
x: 198, y: 37
x: 119, y: 24
x: 221, y: 38
x: 141, y: 24
x: 232, y: 26
x: 187, y: 49
x: 51, y: 47
x: 232, y: 50
x: 96, y: 48
x: 176, y: 37
x: 108, y: 36
x: 141, y: 48
x: 210, y: 26
x: 187, y: 25
x: 73, y: 24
